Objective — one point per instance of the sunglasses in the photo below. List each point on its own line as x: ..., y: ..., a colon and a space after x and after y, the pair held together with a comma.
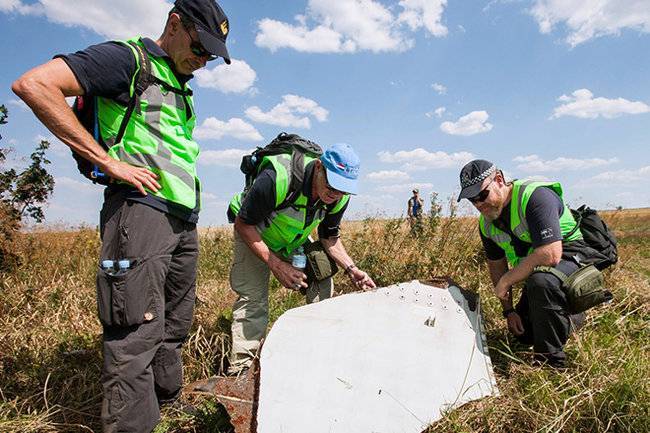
x: 330, y: 187
x: 197, y: 48
x: 483, y: 195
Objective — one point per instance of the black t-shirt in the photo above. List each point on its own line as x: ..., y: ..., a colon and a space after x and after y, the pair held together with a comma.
x: 543, y: 217
x: 260, y: 202
x: 106, y: 70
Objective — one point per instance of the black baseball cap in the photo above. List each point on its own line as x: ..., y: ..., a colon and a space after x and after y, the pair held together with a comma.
x: 472, y: 177
x: 211, y: 24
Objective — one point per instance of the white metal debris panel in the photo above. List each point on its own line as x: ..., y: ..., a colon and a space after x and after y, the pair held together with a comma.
x: 388, y: 361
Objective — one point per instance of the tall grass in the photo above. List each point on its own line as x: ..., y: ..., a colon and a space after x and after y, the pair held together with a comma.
x: 50, y: 339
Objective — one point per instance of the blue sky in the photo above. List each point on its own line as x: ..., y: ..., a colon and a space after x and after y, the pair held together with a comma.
x: 547, y: 89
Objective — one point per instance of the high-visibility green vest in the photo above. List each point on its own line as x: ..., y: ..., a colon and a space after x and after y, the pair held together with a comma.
x: 521, y: 192
x: 285, y: 230
x: 159, y: 133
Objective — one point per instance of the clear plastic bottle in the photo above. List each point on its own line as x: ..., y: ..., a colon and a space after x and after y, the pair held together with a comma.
x: 124, y: 265
x: 108, y: 266
x: 299, y: 259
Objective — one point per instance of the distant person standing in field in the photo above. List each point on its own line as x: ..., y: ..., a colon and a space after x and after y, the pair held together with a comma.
x: 144, y: 151
x: 525, y: 225
x: 270, y: 235
x: 415, y: 209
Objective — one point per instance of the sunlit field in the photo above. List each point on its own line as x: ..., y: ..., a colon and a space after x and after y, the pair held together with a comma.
x: 50, y: 337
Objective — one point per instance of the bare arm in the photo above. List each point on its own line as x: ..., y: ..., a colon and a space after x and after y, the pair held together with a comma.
x: 498, y: 268
x: 545, y: 255
x: 288, y: 276
x: 44, y: 89
x: 335, y: 249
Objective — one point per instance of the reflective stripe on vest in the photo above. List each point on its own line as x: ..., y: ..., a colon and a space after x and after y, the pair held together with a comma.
x: 284, y: 230
x: 158, y: 135
x: 521, y: 193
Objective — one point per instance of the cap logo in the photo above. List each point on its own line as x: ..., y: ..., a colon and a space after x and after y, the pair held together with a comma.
x: 224, y: 27
x: 466, y: 180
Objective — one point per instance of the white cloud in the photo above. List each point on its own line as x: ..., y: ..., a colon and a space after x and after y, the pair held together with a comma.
x: 238, y: 77
x: 424, y: 13
x: 213, y: 128
x: 288, y: 112
x: 535, y: 163
x: 618, y: 177
x: 223, y: 158
x: 587, y: 19
x: 438, y: 112
x: 582, y: 104
x: 470, y: 124
x: 114, y: 19
x: 17, y: 102
x: 420, y: 159
x: 388, y: 176
x: 79, y: 186
x: 404, y: 187
x: 347, y: 26
x: 439, y: 88
x: 538, y: 178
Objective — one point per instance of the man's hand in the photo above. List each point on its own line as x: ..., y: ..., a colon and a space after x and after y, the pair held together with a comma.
x: 515, y: 325
x: 287, y: 275
x: 140, y: 177
x: 502, y: 290
x: 361, y: 279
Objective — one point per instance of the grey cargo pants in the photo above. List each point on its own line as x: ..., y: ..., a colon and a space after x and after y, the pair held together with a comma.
x: 249, y: 278
x: 146, y: 313
x: 543, y: 311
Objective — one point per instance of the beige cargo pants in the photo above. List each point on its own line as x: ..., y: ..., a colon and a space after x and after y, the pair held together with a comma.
x: 249, y: 278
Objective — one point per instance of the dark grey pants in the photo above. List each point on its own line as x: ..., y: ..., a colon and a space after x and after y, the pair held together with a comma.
x: 543, y: 310
x: 146, y: 313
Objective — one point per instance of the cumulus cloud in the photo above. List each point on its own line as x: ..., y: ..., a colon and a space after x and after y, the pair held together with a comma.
x: 223, y: 158
x: 347, y: 26
x: 470, y: 124
x: 19, y: 103
x: 388, y: 176
x: 238, y: 77
x: 585, y: 20
x: 439, y: 88
x: 420, y: 159
x: 582, y: 104
x: 116, y: 19
x: 213, y: 128
x: 424, y: 13
x: 293, y: 111
x: 404, y: 187
x: 532, y: 163
x: 624, y: 176
x: 438, y: 112
x: 79, y: 186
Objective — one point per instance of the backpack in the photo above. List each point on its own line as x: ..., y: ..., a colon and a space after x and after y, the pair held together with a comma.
x: 284, y: 143
x: 85, y: 108
x: 597, y: 235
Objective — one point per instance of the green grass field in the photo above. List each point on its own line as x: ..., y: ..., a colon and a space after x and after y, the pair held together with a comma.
x: 50, y: 338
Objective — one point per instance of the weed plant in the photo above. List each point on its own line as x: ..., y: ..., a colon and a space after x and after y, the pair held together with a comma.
x: 50, y: 338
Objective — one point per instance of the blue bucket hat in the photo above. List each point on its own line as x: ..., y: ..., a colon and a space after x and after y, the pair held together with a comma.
x: 342, y: 166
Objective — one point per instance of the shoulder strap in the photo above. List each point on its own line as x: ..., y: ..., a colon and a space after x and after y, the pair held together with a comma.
x: 143, y: 79
x: 559, y: 274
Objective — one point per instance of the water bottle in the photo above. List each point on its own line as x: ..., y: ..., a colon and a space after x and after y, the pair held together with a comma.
x: 124, y: 265
x: 107, y: 266
x: 299, y: 259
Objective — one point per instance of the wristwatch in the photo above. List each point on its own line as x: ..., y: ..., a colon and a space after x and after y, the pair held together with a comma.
x: 348, y: 270
x: 508, y: 312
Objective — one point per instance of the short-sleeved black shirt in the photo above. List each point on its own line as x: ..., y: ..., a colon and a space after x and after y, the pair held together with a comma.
x: 260, y: 202
x: 106, y: 70
x: 543, y: 217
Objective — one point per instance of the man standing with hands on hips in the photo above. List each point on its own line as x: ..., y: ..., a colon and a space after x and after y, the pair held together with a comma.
x: 141, y: 146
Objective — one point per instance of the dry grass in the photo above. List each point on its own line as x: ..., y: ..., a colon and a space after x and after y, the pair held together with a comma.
x: 50, y: 342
